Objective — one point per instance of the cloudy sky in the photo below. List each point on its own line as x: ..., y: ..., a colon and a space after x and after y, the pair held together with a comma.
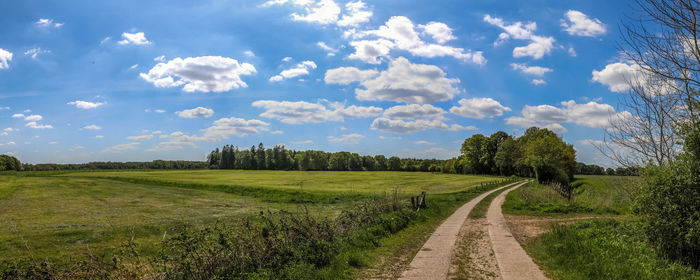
x: 144, y: 80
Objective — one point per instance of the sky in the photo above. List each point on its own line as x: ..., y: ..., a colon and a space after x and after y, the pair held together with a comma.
x: 143, y: 80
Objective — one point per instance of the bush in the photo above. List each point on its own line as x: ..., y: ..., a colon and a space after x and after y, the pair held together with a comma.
x: 669, y: 202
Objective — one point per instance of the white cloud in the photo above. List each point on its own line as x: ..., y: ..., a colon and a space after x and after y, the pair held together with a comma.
x: 121, y: 148
x: 225, y: 127
x: 33, y: 53
x: 287, y: 58
x: 572, y: 52
x: 347, y: 139
x: 404, y: 127
x: 347, y: 75
x: 5, y: 108
x: 53, y: 143
x: 479, y: 108
x: 159, y: 58
x: 440, y: 32
x: 423, y: 142
x: 10, y: 129
x: 159, y: 111
x: 530, y: 70
x: 249, y: 53
x: 138, y: 38
x: 27, y: 111
x: 141, y: 137
x: 133, y: 67
x: 299, y: 70
x: 590, y: 142
x: 35, y: 125
x: 305, y: 112
x: 390, y: 138
x: 33, y: 118
x: 46, y: 22
x: 330, y: 51
x: 86, y: 104
x: 204, y: 73
x: 302, y: 142
x: 323, y: 12
x: 538, y: 82
x: 406, y: 82
x: 538, y: 46
x: 199, y: 112
x: 399, y: 33
x: 356, y: 13
x: 276, y: 132
x: 92, y: 127
x: 413, y: 111
x: 99, y: 136
x: 76, y: 148
x: 5, y: 58
x: 580, y: 24
x: 18, y: 116
x: 617, y: 75
x: 591, y: 114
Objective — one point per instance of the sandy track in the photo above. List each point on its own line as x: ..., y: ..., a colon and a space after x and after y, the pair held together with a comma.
x: 434, y: 258
x: 513, y: 261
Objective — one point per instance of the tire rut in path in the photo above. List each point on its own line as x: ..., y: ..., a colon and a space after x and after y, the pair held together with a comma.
x: 513, y: 261
x: 434, y: 258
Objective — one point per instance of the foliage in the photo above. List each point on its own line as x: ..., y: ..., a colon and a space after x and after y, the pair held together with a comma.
x: 603, y: 249
x: 669, y: 203
x: 9, y: 163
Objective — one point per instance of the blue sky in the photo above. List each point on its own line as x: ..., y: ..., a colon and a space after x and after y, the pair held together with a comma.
x: 137, y: 81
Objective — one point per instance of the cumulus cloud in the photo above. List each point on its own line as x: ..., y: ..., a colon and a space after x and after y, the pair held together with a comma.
x: 479, y: 108
x: 578, y: 23
x: 440, y: 32
x: 617, y: 75
x: 92, y: 127
x: 530, y: 70
x: 347, y: 75
x: 323, y: 12
x: 249, y: 53
x: 411, y: 126
x: 47, y: 22
x: 302, y: 142
x: 221, y: 129
x: 5, y: 58
x: 423, y: 142
x: 86, y: 104
x: 33, y: 118
x: 99, y: 136
x: 18, y: 116
x: 409, y: 83
x: 347, y: 139
x: 305, y: 112
x: 356, y: 13
x: 138, y: 38
x: 538, y: 46
x: 204, y: 73
x: 121, y: 148
x: 591, y: 114
x: 590, y: 142
x: 299, y: 70
x: 400, y: 33
x: 199, y: 112
x: 413, y: 111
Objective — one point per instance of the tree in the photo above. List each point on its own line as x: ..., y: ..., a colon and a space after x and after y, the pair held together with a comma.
x: 551, y: 158
x: 381, y: 163
x: 506, y: 157
x: 475, y: 153
x: 394, y: 163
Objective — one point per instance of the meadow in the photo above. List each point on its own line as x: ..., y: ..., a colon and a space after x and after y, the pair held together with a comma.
x: 607, y: 243
x: 59, y: 216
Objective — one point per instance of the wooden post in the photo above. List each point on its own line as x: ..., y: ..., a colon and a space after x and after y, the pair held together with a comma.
x: 413, y: 203
x: 422, y: 200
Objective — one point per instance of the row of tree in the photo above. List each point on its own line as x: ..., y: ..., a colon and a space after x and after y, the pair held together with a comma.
x: 156, y: 164
x: 592, y: 169
x: 537, y: 153
x: 9, y: 163
x: 280, y: 158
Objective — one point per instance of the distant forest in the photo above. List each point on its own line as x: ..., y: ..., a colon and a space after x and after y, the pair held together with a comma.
x: 497, y: 154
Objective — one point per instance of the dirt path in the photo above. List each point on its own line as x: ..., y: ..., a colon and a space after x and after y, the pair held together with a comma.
x: 513, y: 262
x: 434, y: 259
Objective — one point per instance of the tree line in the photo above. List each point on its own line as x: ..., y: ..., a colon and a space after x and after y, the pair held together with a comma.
x: 156, y: 164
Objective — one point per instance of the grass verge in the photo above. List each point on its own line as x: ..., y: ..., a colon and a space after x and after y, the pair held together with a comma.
x: 603, y: 249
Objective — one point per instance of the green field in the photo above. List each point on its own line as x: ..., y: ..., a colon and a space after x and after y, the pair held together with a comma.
x: 58, y: 215
x: 607, y: 245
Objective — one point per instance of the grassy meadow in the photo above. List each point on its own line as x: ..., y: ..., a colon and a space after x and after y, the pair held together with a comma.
x: 608, y: 244
x: 58, y: 216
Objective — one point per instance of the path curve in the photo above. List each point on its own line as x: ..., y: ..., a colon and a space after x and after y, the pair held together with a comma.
x: 434, y: 258
x: 513, y: 261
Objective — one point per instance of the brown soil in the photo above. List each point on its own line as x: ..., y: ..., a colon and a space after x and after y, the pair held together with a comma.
x: 473, y: 257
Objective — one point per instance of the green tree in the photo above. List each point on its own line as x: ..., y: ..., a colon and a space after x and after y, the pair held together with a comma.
x: 550, y: 157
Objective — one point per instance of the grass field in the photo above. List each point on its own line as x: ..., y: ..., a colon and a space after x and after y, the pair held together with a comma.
x: 593, y: 195
x: 609, y: 247
x: 56, y: 215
